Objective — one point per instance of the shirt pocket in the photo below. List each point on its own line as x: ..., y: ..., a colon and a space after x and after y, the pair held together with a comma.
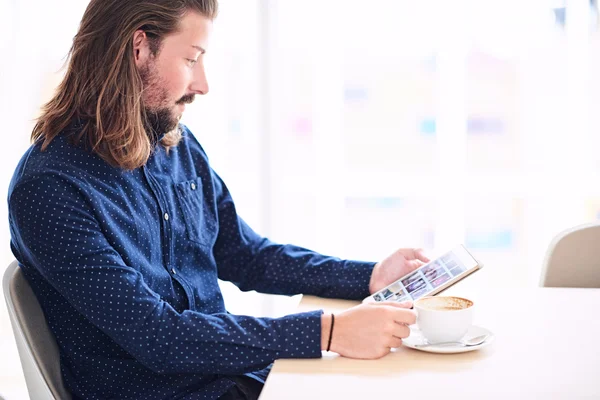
x: 197, y: 215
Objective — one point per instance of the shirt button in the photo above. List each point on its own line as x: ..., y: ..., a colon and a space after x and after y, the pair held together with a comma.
x: 166, y: 216
x: 173, y: 271
x: 193, y: 186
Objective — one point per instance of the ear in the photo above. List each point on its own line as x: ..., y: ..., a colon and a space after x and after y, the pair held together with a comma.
x: 141, y: 48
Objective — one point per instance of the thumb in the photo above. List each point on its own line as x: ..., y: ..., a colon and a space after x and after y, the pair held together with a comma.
x: 403, y: 304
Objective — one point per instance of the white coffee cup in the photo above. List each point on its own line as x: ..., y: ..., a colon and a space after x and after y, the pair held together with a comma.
x: 444, y: 318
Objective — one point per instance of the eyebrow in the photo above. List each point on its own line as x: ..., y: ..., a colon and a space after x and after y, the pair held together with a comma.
x: 200, y: 49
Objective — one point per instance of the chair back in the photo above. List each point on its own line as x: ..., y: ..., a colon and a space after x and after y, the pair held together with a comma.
x: 36, y: 344
x: 573, y: 258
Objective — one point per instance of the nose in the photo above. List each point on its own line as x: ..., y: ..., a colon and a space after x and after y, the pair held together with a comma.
x: 200, y: 83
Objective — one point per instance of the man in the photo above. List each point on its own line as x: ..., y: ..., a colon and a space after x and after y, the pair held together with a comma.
x: 122, y: 229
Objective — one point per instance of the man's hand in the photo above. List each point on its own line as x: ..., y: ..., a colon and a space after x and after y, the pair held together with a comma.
x: 395, y: 266
x: 368, y: 331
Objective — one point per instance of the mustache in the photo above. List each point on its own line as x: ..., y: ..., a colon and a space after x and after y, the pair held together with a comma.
x: 187, y: 99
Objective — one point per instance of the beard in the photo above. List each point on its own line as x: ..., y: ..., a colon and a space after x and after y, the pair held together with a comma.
x: 158, y: 120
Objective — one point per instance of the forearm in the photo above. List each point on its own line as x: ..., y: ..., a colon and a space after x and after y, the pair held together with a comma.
x: 299, y: 270
x: 287, y: 269
x: 229, y: 344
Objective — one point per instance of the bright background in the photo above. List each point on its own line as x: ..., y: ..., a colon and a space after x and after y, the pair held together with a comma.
x: 354, y: 127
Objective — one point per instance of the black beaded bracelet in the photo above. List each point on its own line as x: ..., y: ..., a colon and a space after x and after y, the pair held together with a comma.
x: 330, y: 331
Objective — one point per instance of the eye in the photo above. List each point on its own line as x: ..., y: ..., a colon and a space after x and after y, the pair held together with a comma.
x: 191, y: 62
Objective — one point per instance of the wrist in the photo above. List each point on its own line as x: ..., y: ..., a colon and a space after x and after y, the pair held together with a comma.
x: 372, y: 283
x: 325, y: 329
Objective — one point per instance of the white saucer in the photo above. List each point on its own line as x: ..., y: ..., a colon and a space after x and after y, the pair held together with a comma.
x: 416, y: 338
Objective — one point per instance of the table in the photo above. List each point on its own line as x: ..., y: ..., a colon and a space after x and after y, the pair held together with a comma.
x: 547, y: 346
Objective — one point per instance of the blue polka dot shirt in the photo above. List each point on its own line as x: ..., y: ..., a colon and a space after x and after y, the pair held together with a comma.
x: 126, y: 264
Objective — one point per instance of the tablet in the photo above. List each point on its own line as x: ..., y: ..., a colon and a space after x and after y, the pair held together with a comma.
x: 431, y: 278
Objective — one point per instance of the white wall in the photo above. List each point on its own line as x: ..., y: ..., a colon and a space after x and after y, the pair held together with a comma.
x: 34, y: 38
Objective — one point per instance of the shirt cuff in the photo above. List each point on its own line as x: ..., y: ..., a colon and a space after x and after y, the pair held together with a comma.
x: 300, y: 335
x: 354, y: 282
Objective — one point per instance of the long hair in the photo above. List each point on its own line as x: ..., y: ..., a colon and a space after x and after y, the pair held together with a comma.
x: 102, y: 87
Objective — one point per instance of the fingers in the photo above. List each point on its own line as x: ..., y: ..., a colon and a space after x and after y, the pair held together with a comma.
x: 384, y: 352
x: 398, y: 312
x: 414, y: 264
x: 401, y: 331
x: 395, y: 342
x: 395, y: 332
x: 420, y: 255
x: 404, y: 304
x: 404, y: 316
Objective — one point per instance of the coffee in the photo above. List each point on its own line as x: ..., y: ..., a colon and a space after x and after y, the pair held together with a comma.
x: 445, y: 303
x: 448, y: 308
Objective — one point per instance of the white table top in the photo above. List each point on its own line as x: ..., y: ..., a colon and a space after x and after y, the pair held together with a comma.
x: 547, y: 346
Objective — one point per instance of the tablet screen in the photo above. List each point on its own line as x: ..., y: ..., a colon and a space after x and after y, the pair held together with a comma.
x: 429, y: 277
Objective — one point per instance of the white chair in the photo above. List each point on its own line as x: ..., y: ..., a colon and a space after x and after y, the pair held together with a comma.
x: 37, y: 346
x: 573, y: 258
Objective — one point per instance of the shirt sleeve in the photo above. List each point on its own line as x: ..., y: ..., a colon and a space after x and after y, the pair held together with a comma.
x: 252, y: 262
x: 73, y: 255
